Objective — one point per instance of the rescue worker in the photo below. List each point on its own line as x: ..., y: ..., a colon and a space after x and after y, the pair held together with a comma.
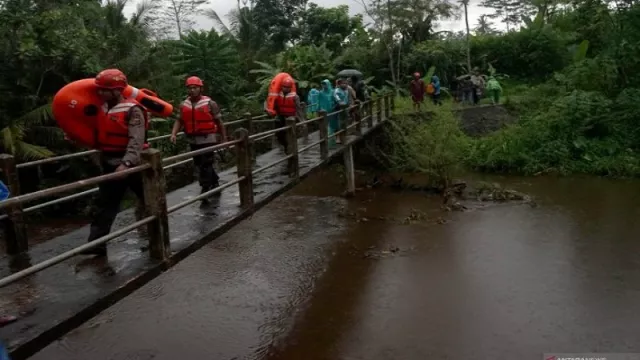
x: 287, y: 105
x: 121, y: 137
x: 201, y: 119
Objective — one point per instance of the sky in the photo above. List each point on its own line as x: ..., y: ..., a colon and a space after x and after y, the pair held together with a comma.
x: 222, y: 7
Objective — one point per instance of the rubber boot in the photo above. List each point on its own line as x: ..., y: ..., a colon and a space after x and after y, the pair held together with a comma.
x: 100, y: 250
x: 203, y: 190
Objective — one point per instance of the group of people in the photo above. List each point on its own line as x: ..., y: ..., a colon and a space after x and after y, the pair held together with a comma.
x: 348, y: 92
x: 122, y: 135
x: 472, y: 87
x: 418, y: 89
x: 469, y: 89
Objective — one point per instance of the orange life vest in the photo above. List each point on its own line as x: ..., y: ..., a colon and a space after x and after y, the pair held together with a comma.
x: 113, y: 127
x: 197, y: 118
x: 286, y: 105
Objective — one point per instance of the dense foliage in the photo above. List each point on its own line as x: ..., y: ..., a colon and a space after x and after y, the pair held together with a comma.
x: 572, y: 66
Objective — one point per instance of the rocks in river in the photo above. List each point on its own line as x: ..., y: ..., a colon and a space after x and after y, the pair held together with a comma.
x: 494, y: 192
x: 485, y: 192
x: 414, y: 216
x: 452, y: 195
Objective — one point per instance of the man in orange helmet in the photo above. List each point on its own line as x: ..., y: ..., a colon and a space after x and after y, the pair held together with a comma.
x: 201, y: 119
x: 121, y: 136
x: 286, y: 105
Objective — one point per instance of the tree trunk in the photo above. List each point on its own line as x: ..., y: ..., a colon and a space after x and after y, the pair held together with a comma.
x: 466, y: 20
x: 394, y: 75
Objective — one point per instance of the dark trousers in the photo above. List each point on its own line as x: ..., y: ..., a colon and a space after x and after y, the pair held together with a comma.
x: 281, y: 136
x: 436, y: 99
x: 476, y: 96
x: 110, y: 196
x: 207, y: 176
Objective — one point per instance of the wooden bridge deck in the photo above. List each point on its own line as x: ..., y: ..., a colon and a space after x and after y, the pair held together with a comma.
x: 58, y: 299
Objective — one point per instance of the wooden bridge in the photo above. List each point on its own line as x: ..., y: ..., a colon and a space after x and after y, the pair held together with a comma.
x: 45, y: 286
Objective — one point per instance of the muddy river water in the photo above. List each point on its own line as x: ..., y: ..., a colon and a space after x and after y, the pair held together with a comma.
x: 315, y: 276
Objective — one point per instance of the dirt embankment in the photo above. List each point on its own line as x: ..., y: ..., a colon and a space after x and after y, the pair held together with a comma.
x: 481, y: 120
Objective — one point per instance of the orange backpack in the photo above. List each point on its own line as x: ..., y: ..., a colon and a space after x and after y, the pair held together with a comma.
x: 430, y: 89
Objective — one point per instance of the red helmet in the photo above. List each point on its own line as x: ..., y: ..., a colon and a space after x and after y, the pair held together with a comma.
x: 288, y: 82
x: 416, y: 74
x: 111, y: 79
x: 194, y: 81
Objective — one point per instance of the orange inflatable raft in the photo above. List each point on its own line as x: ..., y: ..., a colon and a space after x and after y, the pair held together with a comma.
x: 77, y: 108
x: 274, y: 91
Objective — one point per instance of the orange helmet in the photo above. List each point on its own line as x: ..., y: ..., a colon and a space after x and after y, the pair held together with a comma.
x: 288, y: 82
x: 111, y: 79
x: 194, y: 81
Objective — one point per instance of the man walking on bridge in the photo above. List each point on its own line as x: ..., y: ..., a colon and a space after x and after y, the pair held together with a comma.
x: 202, y: 121
x: 121, y: 136
x: 287, y: 105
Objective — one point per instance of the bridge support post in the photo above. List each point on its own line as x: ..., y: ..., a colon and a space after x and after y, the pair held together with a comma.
x: 379, y: 110
x: 351, y: 119
x: 250, y: 131
x: 155, y: 201
x: 292, y: 148
x: 15, y: 230
x: 324, y: 135
x: 305, y: 128
x: 349, y: 170
x: 358, y: 118
x: 244, y: 167
x: 370, y: 114
x: 386, y: 107
x: 344, y: 119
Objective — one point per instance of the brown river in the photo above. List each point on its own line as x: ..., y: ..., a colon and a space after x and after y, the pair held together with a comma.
x: 314, y: 276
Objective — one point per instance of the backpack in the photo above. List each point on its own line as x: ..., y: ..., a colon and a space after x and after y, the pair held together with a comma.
x: 430, y: 89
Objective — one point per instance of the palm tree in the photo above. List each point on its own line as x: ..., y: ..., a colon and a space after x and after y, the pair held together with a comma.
x: 484, y: 27
x: 211, y: 57
x: 247, y: 37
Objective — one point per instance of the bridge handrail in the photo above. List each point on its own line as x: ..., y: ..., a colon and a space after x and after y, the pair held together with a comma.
x: 248, y: 118
x: 155, y: 187
x: 90, y: 152
x: 255, y: 118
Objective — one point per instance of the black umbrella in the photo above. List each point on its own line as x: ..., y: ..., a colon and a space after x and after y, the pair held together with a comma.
x: 349, y: 73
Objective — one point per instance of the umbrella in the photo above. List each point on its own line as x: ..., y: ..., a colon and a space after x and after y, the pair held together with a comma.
x: 349, y: 73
